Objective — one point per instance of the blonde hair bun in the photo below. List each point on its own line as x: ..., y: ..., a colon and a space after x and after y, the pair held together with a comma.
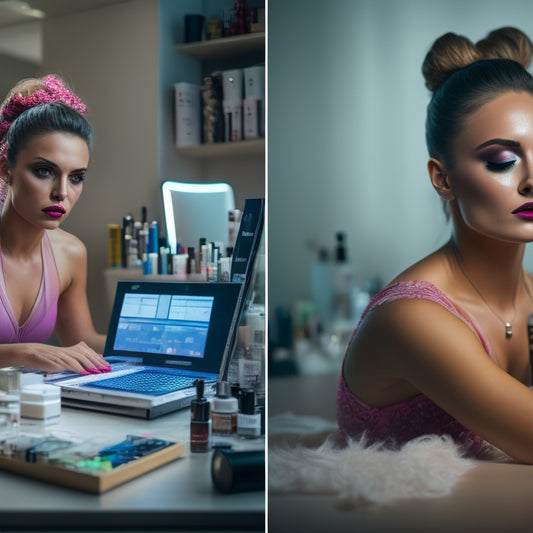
x: 451, y: 52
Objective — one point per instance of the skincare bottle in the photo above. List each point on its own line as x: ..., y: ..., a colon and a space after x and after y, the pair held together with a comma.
x: 248, y: 421
x: 200, y: 420
x: 191, y: 261
x: 153, y: 238
x: 341, y: 281
x: 224, y: 410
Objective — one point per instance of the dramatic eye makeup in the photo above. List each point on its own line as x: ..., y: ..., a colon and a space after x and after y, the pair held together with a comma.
x: 43, y: 168
x: 498, y: 155
x: 77, y: 177
x: 499, y: 160
x: 42, y: 171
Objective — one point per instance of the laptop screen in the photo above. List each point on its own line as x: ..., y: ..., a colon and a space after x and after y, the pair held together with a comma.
x: 170, y: 323
x: 164, y: 324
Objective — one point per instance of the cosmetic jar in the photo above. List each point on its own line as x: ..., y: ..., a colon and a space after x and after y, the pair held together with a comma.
x: 224, y: 410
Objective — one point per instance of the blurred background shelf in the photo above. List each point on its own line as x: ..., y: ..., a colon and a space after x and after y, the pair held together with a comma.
x: 251, y: 147
x: 249, y: 43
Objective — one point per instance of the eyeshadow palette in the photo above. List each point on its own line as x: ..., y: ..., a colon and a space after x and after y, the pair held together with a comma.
x: 82, y: 466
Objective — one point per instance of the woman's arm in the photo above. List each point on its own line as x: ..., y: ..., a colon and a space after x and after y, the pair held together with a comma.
x: 441, y: 357
x: 78, y: 358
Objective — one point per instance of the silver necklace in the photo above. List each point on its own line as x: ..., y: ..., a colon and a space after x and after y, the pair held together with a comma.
x: 508, y: 325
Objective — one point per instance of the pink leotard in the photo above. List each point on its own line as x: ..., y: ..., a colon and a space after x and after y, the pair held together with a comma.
x: 417, y: 416
x: 41, y: 322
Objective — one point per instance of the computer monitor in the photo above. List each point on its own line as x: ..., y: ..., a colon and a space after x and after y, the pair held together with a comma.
x: 196, y: 210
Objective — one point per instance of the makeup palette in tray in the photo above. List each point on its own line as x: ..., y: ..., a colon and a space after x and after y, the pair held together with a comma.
x: 82, y: 466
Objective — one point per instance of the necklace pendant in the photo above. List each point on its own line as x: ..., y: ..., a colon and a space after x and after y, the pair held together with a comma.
x: 508, y: 330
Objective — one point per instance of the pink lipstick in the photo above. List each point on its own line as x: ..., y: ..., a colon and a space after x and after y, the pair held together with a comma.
x: 55, y: 211
x: 525, y: 211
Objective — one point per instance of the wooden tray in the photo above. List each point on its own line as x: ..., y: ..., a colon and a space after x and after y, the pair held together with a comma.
x: 98, y: 481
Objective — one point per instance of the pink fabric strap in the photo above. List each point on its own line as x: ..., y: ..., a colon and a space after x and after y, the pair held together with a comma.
x: 423, y: 290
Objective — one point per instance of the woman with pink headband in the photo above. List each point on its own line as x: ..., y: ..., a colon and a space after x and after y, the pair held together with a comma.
x: 45, y: 144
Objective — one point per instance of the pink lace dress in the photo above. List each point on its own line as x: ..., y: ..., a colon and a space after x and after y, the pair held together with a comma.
x: 398, y: 423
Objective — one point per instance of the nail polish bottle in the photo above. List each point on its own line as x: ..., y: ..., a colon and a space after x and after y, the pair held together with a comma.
x: 248, y: 421
x: 224, y: 410
x: 200, y: 420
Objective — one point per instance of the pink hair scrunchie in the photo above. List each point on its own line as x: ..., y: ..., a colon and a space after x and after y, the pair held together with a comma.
x: 55, y: 92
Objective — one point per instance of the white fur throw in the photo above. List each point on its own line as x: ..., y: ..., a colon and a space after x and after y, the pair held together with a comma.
x: 426, y: 467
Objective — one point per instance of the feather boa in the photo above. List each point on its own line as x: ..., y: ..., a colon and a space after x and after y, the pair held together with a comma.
x: 426, y: 467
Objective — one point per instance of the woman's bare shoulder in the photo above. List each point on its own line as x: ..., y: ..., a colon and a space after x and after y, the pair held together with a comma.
x: 399, y: 339
x: 408, y: 321
x: 65, y: 243
x: 399, y: 321
x: 70, y: 255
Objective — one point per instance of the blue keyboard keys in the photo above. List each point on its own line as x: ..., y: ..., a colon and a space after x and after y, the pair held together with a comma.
x: 144, y: 382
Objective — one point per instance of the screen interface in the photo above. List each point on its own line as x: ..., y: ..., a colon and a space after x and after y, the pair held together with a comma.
x: 164, y: 324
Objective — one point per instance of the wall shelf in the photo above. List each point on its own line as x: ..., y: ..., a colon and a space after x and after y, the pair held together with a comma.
x: 249, y: 47
x: 251, y: 147
x: 249, y: 43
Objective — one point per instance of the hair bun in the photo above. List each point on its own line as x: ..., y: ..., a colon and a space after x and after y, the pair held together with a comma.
x: 449, y: 53
x: 506, y: 43
x: 452, y: 52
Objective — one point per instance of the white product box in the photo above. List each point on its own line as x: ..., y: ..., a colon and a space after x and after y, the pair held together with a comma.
x: 253, y: 118
x: 232, y: 90
x: 232, y: 121
x: 40, y: 401
x: 188, y: 114
x: 254, y: 82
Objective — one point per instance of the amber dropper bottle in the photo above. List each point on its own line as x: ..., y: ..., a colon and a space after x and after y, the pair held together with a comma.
x: 200, y: 420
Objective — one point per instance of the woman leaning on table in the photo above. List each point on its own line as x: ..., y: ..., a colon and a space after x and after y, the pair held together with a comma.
x: 443, y: 349
x: 45, y: 143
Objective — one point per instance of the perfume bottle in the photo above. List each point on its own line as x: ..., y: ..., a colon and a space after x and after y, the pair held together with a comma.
x: 224, y: 410
x: 200, y: 420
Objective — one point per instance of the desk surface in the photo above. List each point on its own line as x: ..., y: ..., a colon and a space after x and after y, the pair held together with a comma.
x: 179, y: 495
x: 490, y: 498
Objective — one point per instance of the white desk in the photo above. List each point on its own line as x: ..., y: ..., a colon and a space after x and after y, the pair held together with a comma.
x: 179, y: 496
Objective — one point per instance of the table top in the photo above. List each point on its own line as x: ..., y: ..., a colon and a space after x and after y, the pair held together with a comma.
x: 180, y: 492
x: 492, y: 497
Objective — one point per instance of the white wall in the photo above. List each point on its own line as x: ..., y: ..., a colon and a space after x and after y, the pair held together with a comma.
x: 346, y: 146
x: 122, y: 60
x: 110, y: 55
x: 13, y: 70
x: 23, y: 41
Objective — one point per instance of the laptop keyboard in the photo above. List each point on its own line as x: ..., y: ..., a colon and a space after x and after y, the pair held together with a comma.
x: 148, y: 382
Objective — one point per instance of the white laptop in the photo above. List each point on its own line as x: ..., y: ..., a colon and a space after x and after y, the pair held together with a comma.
x: 162, y: 337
